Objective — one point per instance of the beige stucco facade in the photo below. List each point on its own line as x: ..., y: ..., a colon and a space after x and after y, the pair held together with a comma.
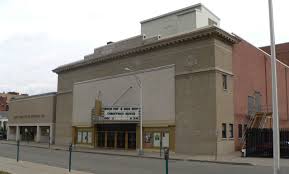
x: 199, y: 98
x: 157, y: 87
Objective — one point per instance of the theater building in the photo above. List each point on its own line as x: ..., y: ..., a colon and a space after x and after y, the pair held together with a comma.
x: 192, y: 83
x: 32, y: 118
x: 178, y: 70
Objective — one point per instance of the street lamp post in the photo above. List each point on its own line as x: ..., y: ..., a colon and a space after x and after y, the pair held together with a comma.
x: 48, y: 132
x: 140, y: 151
x: 276, y: 141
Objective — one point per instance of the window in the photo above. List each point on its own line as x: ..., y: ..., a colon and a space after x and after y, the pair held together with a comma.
x: 84, y: 137
x: 257, y: 101
x: 45, y: 131
x: 251, y: 103
x: 240, y: 131
x: 224, y: 130
x: 231, y: 130
x: 211, y: 22
x: 5, y: 126
x: 225, y: 86
x: 148, y: 139
x: 156, y: 139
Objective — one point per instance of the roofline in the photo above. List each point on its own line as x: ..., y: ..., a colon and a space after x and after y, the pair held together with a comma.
x: 177, y: 11
x: 34, y: 96
x: 266, y: 54
x: 283, y: 43
x: 211, y: 12
x: 197, y: 34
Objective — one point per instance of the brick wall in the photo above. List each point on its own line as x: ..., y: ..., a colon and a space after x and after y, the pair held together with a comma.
x: 282, y: 52
x: 252, y: 72
x: 3, y: 103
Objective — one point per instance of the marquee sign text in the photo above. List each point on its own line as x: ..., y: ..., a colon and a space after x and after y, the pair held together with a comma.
x: 121, y: 113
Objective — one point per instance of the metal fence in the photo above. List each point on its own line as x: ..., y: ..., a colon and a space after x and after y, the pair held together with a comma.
x: 259, y: 143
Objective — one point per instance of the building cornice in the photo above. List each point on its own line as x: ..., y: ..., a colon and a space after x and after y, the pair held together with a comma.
x: 213, y: 69
x: 198, y: 34
x: 126, y: 74
x: 50, y: 94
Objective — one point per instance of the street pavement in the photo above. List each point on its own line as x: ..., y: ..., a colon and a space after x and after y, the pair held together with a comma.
x: 24, y: 167
x: 112, y: 164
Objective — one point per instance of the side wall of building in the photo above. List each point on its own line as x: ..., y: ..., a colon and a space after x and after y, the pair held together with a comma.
x: 252, y: 73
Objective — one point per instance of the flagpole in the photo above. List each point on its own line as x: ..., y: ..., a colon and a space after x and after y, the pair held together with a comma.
x: 276, y: 136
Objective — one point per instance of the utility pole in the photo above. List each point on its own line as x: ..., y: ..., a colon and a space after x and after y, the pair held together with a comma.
x: 276, y: 132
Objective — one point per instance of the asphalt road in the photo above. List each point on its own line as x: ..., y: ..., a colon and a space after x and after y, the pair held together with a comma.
x: 107, y: 164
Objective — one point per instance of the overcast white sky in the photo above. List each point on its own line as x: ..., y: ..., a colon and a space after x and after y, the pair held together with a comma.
x: 36, y: 36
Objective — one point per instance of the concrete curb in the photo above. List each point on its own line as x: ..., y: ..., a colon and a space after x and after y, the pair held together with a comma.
x: 171, y: 159
x: 137, y: 156
x: 224, y: 162
x: 27, y: 145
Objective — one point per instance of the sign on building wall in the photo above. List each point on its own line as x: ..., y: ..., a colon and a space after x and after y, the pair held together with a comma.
x: 121, y: 113
x: 29, y: 116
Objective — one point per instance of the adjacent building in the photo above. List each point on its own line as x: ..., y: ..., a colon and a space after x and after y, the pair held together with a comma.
x: 3, y: 104
x: 252, y: 88
x: 282, y: 52
x: 6, y: 97
x: 193, y: 84
x: 32, y: 118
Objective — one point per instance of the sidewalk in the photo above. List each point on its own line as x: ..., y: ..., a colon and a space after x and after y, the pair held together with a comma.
x: 232, y: 158
x: 24, y: 167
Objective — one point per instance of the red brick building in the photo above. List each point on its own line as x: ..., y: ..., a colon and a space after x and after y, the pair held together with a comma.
x: 252, y: 84
x: 3, y: 104
x: 5, y: 99
x: 282, y: 52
